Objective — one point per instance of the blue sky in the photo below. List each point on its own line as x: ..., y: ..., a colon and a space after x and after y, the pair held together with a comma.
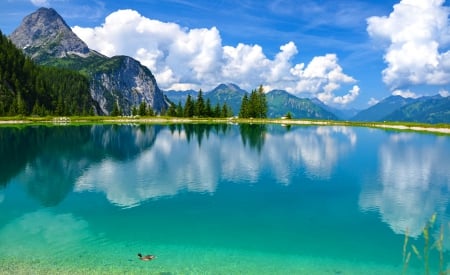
x: 348, y: 53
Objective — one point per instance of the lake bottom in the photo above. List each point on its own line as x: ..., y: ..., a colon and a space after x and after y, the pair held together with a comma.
x: 173, y: 259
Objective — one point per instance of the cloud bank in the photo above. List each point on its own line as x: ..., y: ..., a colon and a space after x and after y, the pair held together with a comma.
x: 184, y: 58
x: 418, y: 37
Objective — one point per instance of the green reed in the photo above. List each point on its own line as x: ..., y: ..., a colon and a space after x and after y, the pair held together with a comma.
x: 425, y: 255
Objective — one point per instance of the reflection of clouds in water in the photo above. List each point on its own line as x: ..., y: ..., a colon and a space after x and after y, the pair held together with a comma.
x: 40, y: 231
x: 317, y: 148
x: 128, y: 183
x: 199, y: 168
x: 415, y: 181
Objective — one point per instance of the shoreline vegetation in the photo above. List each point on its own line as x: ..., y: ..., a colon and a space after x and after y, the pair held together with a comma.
x: 74, y: 120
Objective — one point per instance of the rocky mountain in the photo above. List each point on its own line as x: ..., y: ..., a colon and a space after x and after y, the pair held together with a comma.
x: 281, y: 102
x: 430, y: 109
x: 45, y: 34
x: 48, y: 40
x: 382, y: 109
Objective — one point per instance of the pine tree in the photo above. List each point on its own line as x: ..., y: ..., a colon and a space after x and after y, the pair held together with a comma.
x: 189, y: 107
x: 172, y: 111
x: 116, y: 110
x: 142, y: 109
x: 200, y: 105
x: 217, y: 111
x: 21, y: 105
x: 208, y: 110
x: 244, y: 110
x: 262, y: 103
x: 150, y: 111
x: 179, y: 110
x: 134, y: 111
x: 226, y: 112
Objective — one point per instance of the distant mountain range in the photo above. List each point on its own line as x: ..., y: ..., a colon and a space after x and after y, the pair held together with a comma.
x: 279, y: 102
x: 433, y: 109
x: 121, y: 80
x: 427, y: 109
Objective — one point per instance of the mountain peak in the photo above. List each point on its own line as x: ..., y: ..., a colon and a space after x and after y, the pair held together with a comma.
x: 45, y: 33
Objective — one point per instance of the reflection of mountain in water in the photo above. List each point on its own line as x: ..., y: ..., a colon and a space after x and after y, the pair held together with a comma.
x: 415, y: 182
x: 49, y: 160
x: 117, y: 160
x: 123, y: 141
x: 176, y: 164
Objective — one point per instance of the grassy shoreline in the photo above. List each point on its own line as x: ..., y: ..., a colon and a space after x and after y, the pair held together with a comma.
x: 400, y: 126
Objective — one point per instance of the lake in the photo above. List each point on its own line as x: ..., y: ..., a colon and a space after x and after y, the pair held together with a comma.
x: 222, y: 199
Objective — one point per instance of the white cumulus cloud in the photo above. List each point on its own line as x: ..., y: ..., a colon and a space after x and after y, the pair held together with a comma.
x: 40, y: 3
x: 405, y: 93
x: 444, y: 93
x: 418, y: 36
x: 182, y: 58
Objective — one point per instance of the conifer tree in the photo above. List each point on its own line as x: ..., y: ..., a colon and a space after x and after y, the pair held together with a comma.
x: 172, y: 110
x: 200, y: 105
x: 150, y: 111
x: 217, y: 111
x: 116, y: 110
x: 244, y: 110
x: 179, y: 110
x: 208, y: 109
x: 134, y: 111
x: 142, y: 109
x: 189, y: 107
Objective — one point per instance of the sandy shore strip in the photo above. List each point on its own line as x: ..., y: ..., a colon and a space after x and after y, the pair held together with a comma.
x: 163, y: 120
x: 414, y: 128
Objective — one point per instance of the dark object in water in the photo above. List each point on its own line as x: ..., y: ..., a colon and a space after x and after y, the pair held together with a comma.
x: 146, y: 257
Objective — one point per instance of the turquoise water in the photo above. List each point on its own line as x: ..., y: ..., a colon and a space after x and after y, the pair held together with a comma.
x: 220, y: 199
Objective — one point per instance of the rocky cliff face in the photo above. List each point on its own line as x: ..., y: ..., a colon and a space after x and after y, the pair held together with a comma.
x: 129, y: 83
x: 47, y: 39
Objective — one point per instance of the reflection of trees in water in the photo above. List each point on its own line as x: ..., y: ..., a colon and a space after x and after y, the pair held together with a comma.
x: 49, y: 160
x: 199, y: 131
x: 17, y: 146
x: 41, y: 156
x: 253, y: 135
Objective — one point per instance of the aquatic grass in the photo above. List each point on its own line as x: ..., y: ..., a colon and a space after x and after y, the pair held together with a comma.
x: 427, y: 248
x: 406, y: 254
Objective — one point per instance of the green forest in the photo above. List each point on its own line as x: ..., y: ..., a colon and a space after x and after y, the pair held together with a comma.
x: 29, y: 89
x: 199, y: 108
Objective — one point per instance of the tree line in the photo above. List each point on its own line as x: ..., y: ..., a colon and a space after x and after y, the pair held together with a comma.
x: 29, y: 89
x: 199, y: 108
